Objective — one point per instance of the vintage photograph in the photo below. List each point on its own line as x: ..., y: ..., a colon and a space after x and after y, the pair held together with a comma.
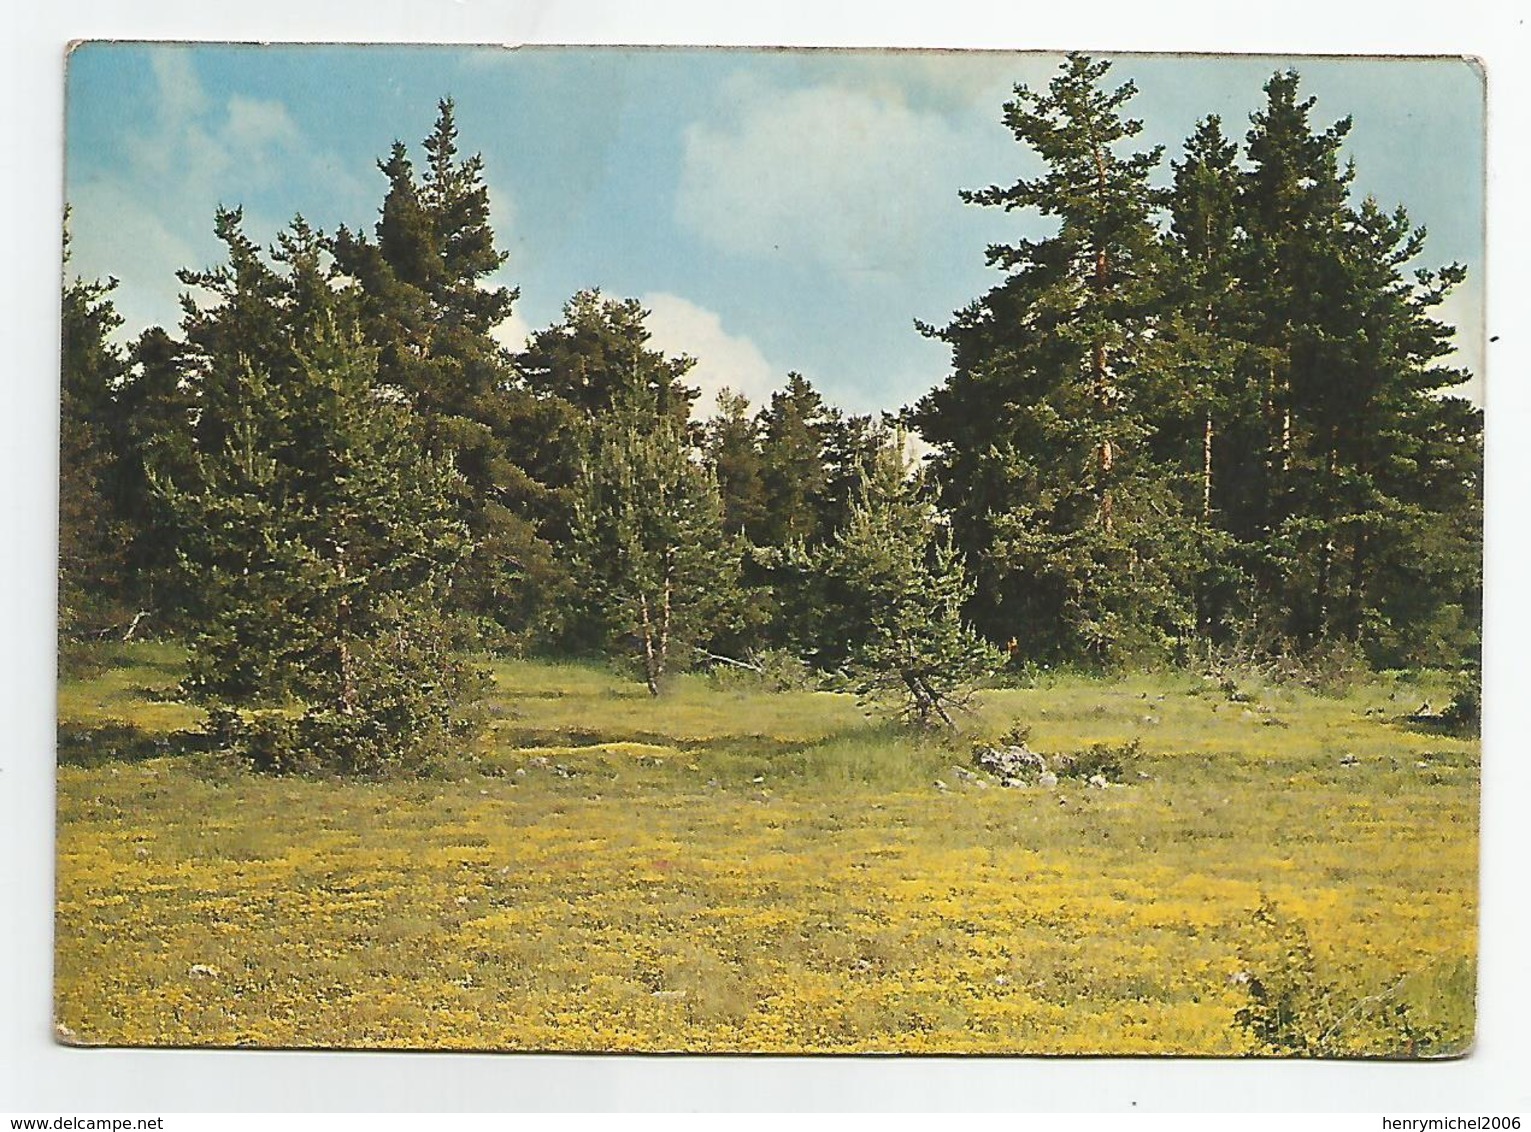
x: 707, y: 550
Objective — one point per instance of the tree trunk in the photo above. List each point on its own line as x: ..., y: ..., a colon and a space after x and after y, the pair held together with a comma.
x: 1355, y: 596
x: 1268, y: 413
x: 1206, y: 468
x: 651, y: 664
x: 1103, y: 402
x: 665, y: 613
x: 1325, y: 567
x: 347, y: 672
x: 1326, y: 552
x: 1099, y: 361
x: 925, y: 699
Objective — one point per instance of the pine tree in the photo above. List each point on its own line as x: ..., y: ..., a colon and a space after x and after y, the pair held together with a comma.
x: 656, y: 567
x: 1077, y: 535
x: 429, y: 310
x: 93, y: 589
x: 733, y: 455
x: 794, y: 430
x: 1292, y: 207
x: 598, y: 354
x: 154, y: 413
x: 1388, y: 526
x: 577, y: 372
x: 316, y: 535
x: 251, y: 315
x: 1208, y: 424
x: 1205, y: 246
x: 896, y: 590
x: 1366, y: 527
x: 854, y: 444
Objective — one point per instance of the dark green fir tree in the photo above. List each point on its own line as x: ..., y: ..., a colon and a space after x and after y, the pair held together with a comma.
x: 896, y: 588
x: 317, y: 536
x: 1077, y: 535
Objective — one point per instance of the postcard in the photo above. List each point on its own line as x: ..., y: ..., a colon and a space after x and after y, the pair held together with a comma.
x: 770, y: 551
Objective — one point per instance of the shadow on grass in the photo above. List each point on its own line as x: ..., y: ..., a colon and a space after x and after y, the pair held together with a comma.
x: 96, y: 744
x: 515, y: 737
x: 1443, y: 724
x: 884, y: 756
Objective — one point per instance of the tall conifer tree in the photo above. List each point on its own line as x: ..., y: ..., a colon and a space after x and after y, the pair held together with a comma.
x: 733, y: 454
x: 1368, y: 505
x: 317, y: 536
x: 92, y: 590
x: 430, y: 311
x: 1076, y: 536
x: 658, y: 573
x: 1207, y: 425
x: 794, y: 430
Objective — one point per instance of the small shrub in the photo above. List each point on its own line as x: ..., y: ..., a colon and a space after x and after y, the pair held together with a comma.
x: 1330, y: 668
x: 1020, y: 671
x: 404, y: 700
x: 1014, y: 763
x: 770, y: 670
x: 326, y: 742
x: 1113, y: 762
x: 784, y: 671
x: 1017, y: 735
x: 1464, y: 715
x: 1290, y: 1010
x: 1293, y: 1010
x: 421, y: 706
x: 112, y: 740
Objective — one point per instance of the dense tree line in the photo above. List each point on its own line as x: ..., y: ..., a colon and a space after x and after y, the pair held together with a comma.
x: 1207, y: 411
x: 1207, y: 408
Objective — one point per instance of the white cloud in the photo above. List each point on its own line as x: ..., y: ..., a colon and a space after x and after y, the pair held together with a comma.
x: 146, y: 212
x: 113, y: 232
x: 965, y: 82
x: 180, y: 91
x: 916, y: 450
x: 502, y: 222
x: 723, y: 360
x: 257, y: 124
x: 852, y: 179
x: 1463, y: 309
x: 513, y: 332
x: 178, y: 152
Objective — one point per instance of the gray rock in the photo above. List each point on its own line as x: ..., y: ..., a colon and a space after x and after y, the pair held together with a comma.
x: 1012, y: 765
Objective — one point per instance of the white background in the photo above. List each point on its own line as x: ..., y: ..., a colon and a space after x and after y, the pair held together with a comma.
x: 37, y: 1076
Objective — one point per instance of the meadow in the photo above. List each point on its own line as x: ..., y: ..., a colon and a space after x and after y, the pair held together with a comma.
x: 731, y: 868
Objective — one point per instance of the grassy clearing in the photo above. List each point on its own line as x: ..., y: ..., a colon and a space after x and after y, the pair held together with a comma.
x: 729, y: 869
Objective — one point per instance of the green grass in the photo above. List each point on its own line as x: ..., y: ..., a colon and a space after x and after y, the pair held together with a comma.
x: 137, y: 686
x: 729, y: 869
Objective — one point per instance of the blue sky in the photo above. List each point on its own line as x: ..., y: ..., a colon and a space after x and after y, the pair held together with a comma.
x: 775, y: 211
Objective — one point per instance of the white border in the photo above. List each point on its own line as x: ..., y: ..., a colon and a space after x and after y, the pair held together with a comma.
x: 37, y: 1076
